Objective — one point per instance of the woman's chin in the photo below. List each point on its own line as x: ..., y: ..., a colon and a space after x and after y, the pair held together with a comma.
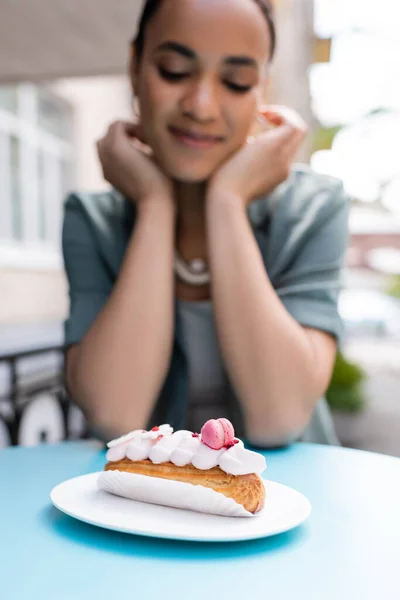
x: 191, y: 173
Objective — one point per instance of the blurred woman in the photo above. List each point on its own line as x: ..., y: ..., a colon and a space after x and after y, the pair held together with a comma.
x: 205, y: 283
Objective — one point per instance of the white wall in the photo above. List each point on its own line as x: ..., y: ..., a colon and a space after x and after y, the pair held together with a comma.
x: 35, y: 292
x: 289, y: 81
x: 97, y: 101
x: 32, y: 295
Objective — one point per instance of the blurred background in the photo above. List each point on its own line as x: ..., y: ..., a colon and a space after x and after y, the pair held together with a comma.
x: 62, y: 81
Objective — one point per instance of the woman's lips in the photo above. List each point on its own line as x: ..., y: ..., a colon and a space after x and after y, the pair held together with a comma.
x: 192, y: 139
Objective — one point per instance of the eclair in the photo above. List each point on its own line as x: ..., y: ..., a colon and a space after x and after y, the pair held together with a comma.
x: 213, y: 459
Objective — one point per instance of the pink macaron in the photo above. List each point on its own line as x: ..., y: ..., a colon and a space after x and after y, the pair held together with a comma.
x: 218, y: 433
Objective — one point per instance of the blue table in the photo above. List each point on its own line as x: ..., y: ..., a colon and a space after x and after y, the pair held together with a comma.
x: 348, y: 550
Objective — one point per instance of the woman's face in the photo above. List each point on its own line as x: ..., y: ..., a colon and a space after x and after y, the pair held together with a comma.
x: 199, y: 82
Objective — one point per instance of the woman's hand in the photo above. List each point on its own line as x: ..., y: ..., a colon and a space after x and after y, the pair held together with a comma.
x: 128, y: 165
x: 264, y: 163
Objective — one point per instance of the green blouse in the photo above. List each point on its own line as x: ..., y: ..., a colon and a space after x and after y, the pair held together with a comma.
x: 302, y: 233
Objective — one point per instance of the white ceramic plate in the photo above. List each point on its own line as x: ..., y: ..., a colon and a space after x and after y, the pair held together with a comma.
x: 80, y: 498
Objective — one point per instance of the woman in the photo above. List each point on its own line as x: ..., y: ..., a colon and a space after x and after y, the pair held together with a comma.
x: 206, y: 283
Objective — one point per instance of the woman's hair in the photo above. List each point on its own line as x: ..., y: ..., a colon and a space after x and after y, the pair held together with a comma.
x: 151, y: 6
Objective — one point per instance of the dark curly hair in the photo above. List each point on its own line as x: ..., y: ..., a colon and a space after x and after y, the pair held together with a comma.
x: 151, y: 6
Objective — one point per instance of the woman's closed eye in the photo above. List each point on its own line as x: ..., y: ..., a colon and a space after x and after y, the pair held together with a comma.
x: 176, y: 76
x: 170, y: 75
x: 240, y: 79
x: 237, y: 87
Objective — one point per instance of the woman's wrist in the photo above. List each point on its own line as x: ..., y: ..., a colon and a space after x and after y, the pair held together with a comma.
x: 221, y: 200
x: 157, y: 203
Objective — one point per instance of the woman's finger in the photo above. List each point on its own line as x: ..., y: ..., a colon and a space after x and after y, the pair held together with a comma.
x: 287, y: 134
x: 281, y: 115
x: 126, y: 128
x: 291, y: 148
x: 283, y: 136
x: 133, y: 130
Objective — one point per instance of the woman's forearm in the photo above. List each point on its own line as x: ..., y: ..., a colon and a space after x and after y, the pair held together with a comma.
x: 267, y: 353
x: 119, y: 367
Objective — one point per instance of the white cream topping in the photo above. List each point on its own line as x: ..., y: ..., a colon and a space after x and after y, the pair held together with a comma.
x: 125, y: 438
x: 153, y: 434
x: 206, y: 458
x: 117, y: 453
x: 183, y: 454
x: 239, y: 461
x: 181, y: 448
x: 138, y: 449
x: 162, y: 450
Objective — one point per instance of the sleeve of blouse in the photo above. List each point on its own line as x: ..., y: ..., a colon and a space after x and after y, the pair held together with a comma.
x: 88, y: 279
x: 309, y: 287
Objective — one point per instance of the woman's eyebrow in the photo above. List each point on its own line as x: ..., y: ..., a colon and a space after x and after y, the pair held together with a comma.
x: 178, y: 48
x: 241, y: 61
x: 234, y: 61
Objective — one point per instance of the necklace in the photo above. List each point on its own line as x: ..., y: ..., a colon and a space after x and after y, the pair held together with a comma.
x: 195, y: 272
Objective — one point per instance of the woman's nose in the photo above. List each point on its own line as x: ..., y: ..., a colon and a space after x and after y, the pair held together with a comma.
x: 201, y: 102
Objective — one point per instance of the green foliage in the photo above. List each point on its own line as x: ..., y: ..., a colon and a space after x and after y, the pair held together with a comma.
x: 346, y: 373
x: 345, y: 391
x: 393, y: 288
x: 323, y: 138
x: 351, y: 399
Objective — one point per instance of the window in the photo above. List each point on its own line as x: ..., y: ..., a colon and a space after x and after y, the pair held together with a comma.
x: 35, y: 174
x: 9, y: 98
x: 15, y: 188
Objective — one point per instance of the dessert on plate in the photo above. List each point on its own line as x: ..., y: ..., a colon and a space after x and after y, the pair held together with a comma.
x: 208, y: 472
